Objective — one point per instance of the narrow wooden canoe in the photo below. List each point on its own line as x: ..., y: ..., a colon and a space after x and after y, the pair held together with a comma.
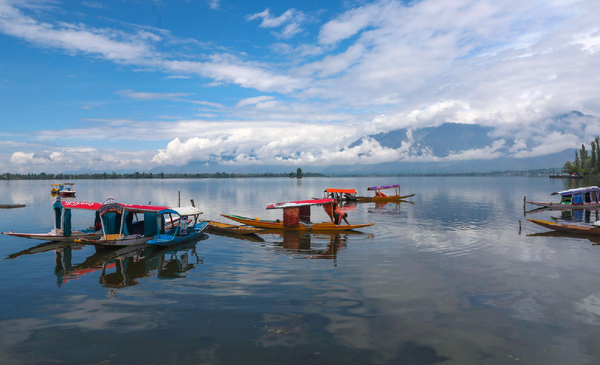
x: 232, y: 228
x: 567, y: 228
x: 268, y: 224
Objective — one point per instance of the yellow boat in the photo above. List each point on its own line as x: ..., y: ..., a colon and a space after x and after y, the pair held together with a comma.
x: 232, y: 228
x: 296, y: 216
x: 381, y: 197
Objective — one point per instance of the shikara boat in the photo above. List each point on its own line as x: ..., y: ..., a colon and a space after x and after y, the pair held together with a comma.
x: 62, y: 231
x: 574, y: 198
x: 381, y: 197
x: 296, y: 216
x: 340, y: 194
x: 232, y: 228
x: 593, y: 230
x: 186, y: 227
x: 122, y: 224
x: 67, y: 190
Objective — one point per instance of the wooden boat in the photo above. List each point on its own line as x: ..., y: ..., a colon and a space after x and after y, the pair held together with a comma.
x: 62, y: 231
x: 341, y: 194
x: 67, y: 190
x: 122, y: 224
x: 296, y: 216
x: 574, y: 198
x: 186, y: 227
x: 11, y: 206
x: 381, y: 197
x: 593, y: 230
x: 232, y: 228
x: 55, y: 188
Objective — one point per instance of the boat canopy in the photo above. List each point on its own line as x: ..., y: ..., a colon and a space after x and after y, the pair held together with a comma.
x: 135, y: 208
x: 300, y: 203
x: 181, y: 211
x: 576, y: 191
x: 384, y: 187
x: 80, y: 205
x: 344, y: 191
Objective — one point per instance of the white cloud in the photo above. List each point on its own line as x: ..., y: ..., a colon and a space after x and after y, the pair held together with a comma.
x: 290, y: 20
x: 253, y: 101
x: 150, y: 96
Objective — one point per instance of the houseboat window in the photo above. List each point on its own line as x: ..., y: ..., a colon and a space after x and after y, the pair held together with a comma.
x: 566, y: 199
x: 588, y: 198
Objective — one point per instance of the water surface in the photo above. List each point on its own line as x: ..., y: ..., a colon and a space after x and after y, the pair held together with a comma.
x: 448, y: 277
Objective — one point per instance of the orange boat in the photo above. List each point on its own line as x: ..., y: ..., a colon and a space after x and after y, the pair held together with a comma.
x: 340, y: 194
x: 296, y: 216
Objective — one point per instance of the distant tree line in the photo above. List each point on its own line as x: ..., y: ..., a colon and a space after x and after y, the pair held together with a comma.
x: 148, y: 175
x: 586, y: 162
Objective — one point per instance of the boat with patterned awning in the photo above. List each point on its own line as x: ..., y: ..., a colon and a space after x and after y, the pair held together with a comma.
x: 127, y: 224
x: 381, y: 197
x: 577, y: 198
x: 297, y: 216
x: 62, y: 230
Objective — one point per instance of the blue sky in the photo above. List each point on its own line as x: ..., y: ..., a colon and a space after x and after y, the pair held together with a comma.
x: 112, y: 85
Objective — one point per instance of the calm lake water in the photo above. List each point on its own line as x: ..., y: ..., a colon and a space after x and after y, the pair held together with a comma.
x: 447, y: 278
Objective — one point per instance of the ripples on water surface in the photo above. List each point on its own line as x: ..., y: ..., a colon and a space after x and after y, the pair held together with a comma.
x: 445, y: 278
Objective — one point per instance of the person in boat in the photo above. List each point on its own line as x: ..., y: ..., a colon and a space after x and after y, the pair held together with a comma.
x: 338, y: 215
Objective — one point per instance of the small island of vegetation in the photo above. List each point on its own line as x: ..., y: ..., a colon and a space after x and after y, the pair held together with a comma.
x: 585, y: 163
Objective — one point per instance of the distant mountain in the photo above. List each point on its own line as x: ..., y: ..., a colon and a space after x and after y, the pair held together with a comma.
x: 440, y: 141
x: 551, y: 161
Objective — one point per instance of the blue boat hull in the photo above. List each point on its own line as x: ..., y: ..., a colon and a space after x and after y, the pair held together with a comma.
x: 168, y: 239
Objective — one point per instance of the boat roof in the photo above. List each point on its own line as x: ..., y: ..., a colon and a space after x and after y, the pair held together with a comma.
x: 68, y: 183
x: 577, y: 190
x: 55, y: 184
x: 182, y: 211
x: 131, y: 207
x: 383, y: 187
x: 345, y: 191
x: 300, y: 203
x: 81, y: 205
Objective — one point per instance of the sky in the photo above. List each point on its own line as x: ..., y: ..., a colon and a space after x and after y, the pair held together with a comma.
x: 118, y: 85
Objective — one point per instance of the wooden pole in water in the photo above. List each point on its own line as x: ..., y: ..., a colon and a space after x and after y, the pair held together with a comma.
x: 524, y: 204
x: 192, y: 201
x: 179, y: 198
x: 519, y: 227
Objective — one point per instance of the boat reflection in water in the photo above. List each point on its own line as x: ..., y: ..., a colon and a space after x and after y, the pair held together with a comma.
x: 120, y: 267
x: 309, y: 245
x: 388, y: 207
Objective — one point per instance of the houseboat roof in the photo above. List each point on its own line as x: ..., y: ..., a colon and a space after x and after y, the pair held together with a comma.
x: 577, y: 190
x: 383, y: 187
x: 300, y: 203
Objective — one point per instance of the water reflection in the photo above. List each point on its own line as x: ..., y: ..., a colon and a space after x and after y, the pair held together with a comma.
x: 120, y: 267
x: 311, y: 245
x: 388, y: 207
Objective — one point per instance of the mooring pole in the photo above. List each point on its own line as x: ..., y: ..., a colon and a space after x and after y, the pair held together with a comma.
x: 192, y: 201
x: 179, y: 198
